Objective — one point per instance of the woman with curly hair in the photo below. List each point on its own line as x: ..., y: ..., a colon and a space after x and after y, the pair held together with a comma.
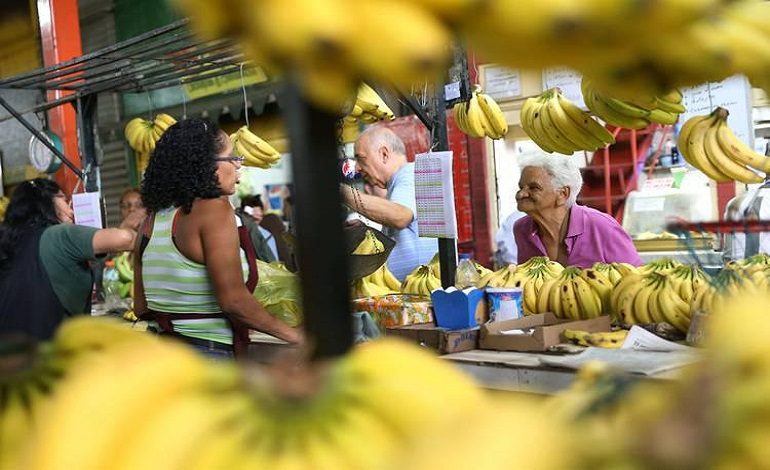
x: 196, y: 270
x: 44, y: 259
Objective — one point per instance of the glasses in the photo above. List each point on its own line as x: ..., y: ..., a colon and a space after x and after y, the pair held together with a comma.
x: 232, y: 159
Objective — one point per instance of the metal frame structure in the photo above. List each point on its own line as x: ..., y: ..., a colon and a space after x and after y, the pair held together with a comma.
x: 161, y: 58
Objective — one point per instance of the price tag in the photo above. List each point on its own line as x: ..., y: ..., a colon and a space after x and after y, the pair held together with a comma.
x: 452, y: 91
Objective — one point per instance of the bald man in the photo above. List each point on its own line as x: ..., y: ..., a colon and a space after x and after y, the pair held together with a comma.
x: 381, y: 159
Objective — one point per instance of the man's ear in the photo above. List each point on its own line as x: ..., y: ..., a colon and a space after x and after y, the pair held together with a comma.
x: 384, y: 154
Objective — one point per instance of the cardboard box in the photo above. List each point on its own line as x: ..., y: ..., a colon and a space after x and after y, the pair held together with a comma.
x: 544, y: 331
x: 396, y: 309
x: 441, y: 340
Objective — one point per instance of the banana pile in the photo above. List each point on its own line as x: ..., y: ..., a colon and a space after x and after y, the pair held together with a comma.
x: 707, y: 143
x: 656, y: 296
x: 601, y: 339
x: 530, y: 276
x: 125, y: 274
x: 142, y: 135
x: 380, y: 282
x: 369, y: 245
x: 208, y: 414
x: 556, y: 124
x: 614, y: 272
x: 31, y: 374
x: 729, y: 284
x: 666, y: 424
x: 636, y: 113
x: 576, y: 294
x: 480, y: 116
x: 662, y: 265
x: 255, y: 151
x: 421, y: 281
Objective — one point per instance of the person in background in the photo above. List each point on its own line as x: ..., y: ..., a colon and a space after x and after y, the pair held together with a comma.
x: 506, y: 252
x: 381, y: 158
x: 557, y: 227
x: 45, y: 275
x: 252, y: 212
x: 130, y: 202
x: 195, y: 268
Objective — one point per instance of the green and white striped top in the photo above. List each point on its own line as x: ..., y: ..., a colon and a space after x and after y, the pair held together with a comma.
x: 175, y: 284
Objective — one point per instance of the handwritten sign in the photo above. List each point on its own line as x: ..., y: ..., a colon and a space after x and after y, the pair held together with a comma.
x: 502, y: 83
x: 567, y: 80
x: 87, y: 209
x: 733, y: 93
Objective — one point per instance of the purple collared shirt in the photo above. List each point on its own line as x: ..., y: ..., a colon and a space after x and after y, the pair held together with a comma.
x: 592, y: 237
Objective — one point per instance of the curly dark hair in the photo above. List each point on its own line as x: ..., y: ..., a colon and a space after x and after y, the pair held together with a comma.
x: 31, y: 208
x: 182, y: 167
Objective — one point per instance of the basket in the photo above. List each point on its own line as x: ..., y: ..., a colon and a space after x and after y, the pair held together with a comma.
x: 364, y: 265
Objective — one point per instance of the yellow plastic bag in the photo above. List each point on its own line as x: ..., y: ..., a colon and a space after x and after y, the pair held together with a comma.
x: 278, y: 290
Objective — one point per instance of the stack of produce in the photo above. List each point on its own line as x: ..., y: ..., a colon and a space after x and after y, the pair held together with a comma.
x: 125, y: 274
x: 480, y: 116
x: 380, y: 282
x: 713, y: 416
x: 205, y: 414
x: 634, y: 113
x: 421, y: 281
x: 659, y: 295
x: 707, y: 143
x: 575, y: 294
x: 142, y: 135
x: 255, y: 151
x: 556, y: 124
x: 729, y: 283
x: 530, y: 277
x: 614, y: 272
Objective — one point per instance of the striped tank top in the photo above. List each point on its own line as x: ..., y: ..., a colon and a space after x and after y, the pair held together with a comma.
x: 175, y: 284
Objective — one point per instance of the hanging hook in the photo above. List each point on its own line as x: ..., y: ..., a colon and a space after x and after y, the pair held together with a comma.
x: 245, y: 99
x: 184, y: 100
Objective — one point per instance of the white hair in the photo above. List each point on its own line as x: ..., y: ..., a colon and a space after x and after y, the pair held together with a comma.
x: 383, y: 136
x: 562, y: 170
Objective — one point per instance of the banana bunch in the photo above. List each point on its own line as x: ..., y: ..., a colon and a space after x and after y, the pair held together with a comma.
x: 219, y: 415
x: 255, y: 151
x: 662, y: 265
x: 614, y: 272
x: 728, y: 285
x: 480, y: 116
x: 556, y: 124
x: 125, y: 274
x: 369, y: 245
x: 369, y: 107
x: 380, y: 282
x: 575, y: 294
x: 3, y: 206
x: 602, y: 339
x: 529, y: 277
x: 636, y: 113
x: 707, y: 143
x: 421, y: 281
x: 142, y: 134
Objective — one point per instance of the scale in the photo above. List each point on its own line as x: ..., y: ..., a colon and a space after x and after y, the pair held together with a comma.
x: 41, y: 157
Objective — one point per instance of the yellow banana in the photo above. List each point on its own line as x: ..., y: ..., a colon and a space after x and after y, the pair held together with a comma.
x: 690, y: 144
x: 530, y: 107
x: 554, y: 299
x: 627, y: 299
x: 390, y: 280
x: 257, y: 146
x: 544, y: 296
x: 569, y: 301
x: 721, y: 160
x: 738, y: 151
x: 551, y: 133
x: 596, y: 103
x: 642, y: 303
x: 572, y: 134
x: 674, y: 310
x: 577, y: 336
x: 599, y: 134
x: 588, y: 300
x: 494, y: 115
x: 475, y: 117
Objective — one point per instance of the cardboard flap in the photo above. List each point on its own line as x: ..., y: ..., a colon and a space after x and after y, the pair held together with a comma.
x: 546, y: 332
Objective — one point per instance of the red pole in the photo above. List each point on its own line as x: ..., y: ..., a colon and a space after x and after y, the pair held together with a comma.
x: 60, y: 40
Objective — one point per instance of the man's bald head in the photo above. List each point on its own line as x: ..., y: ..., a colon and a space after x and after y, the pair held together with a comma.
x: 380, y: 153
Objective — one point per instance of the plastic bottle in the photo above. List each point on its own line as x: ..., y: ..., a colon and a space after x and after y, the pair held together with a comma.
x: 466, y: 274
x: 111, y: 286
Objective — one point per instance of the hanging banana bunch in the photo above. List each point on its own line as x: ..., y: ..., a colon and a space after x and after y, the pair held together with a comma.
x: 636, y: 113
x: 255, y: 151
x: 480, y: 116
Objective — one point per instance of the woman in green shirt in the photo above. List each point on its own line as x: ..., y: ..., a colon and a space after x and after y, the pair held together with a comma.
x: 44, y: 259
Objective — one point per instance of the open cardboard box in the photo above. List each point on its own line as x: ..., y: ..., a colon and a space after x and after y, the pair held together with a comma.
x: 544, y: 331
x: 441, y: 340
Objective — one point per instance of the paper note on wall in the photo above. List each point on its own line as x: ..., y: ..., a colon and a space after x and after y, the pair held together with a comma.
x: 88, y: 210
x: 732, y: 93
x: 434, y: 193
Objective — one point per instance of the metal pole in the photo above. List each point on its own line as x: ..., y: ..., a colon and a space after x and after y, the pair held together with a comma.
x: 86, y: 109
x: 447, y: 247
x: 42, y: 138
x: 323, y: 260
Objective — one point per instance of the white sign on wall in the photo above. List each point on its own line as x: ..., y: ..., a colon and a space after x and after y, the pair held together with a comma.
x: 502, y: 83
x: 567, y: 80
x: 733, y: 93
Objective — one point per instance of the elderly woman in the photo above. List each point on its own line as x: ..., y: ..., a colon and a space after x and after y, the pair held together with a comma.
x: 196, y: 268
x: 557, y: 227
